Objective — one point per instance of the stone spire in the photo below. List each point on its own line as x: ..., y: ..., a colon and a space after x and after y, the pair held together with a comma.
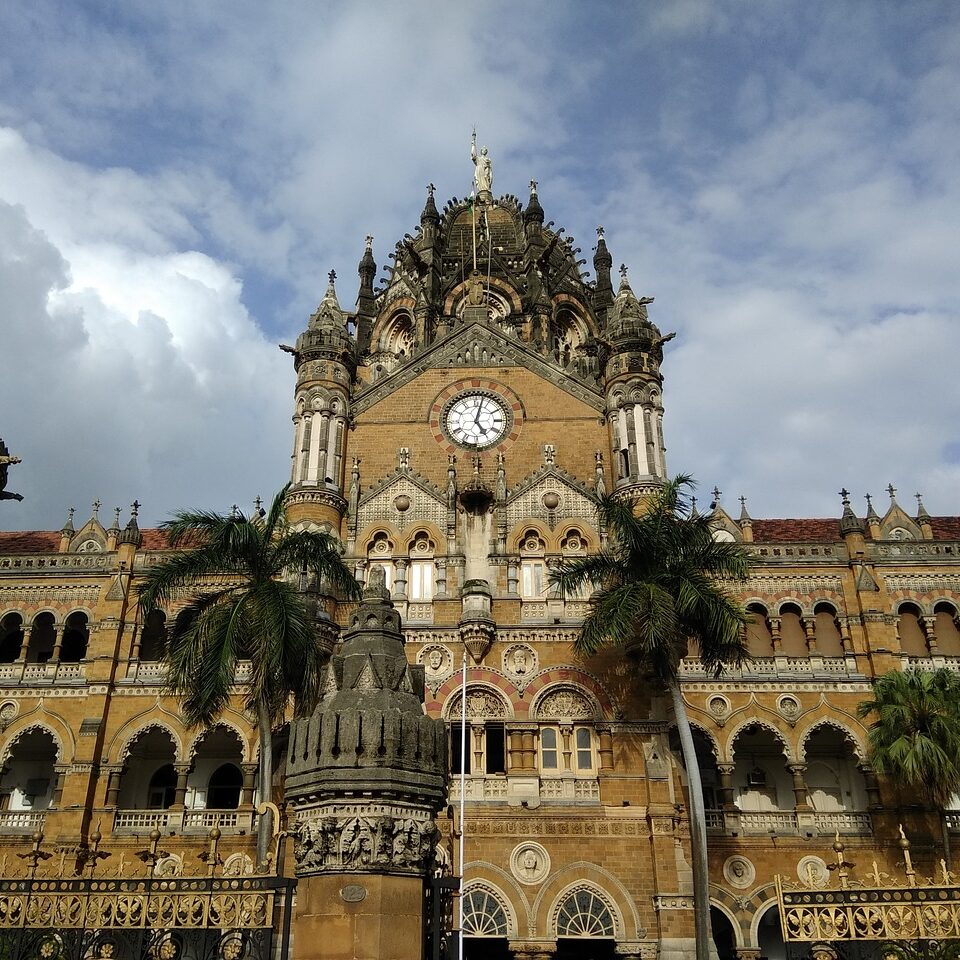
x: 873, y: 520
x: 850, y: 523
x: 602, y: 264
x: 131, y: 532
x: 366, y: 299
x: 924, y: 519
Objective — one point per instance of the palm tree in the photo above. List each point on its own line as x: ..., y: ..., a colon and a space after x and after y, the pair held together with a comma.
x: 235, y: 574
x: 656, y: 590
x: 915, y: 738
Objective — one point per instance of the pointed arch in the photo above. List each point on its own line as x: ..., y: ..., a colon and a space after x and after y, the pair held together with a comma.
x: 231, y: 727
x: 34, y: 726
x: 854, y: 741
x: 128, y: 735
x: 755, y: 721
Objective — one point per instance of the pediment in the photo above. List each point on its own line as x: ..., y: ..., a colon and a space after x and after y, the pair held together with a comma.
x: 897, y: 525
x: 477, y: 344
x: 427, y: 503
x: 724, y: 526
x: 575, y: 500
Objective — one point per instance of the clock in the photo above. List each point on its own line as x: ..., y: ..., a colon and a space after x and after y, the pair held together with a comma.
x: 477, y: 419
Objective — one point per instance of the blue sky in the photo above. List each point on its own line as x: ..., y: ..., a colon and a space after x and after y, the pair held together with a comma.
x: 176, y: 180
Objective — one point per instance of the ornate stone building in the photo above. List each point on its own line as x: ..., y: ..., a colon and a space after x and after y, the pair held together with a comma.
x: 454, y: 430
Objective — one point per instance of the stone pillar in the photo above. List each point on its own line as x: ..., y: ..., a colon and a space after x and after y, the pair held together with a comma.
x: 775, y: 635
x: 441, y: 584
x: 872, y: 786
x: 632, y: 441
x: 532, y: 950
x: 180, y: 791
x: 514, y: 751
x: 249, y: 783
x: 60, y: 770
x: 810, y: 631
x: 929, y: 624
x: 726, y: 785
x: 57, y: 644
x: 513, y: 578
x: 113, y: 788
x: 400, y: 579
x: 606, y: 748
x: 797, y: 770
x: 366, y: 774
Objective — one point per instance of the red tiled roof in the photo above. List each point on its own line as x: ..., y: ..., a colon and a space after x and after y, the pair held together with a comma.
x: 945, y: 528
x: 778, y: 531
x: 29, y: 541
x: 154, y: 539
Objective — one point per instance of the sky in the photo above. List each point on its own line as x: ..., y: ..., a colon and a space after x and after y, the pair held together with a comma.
x: 176, y: 179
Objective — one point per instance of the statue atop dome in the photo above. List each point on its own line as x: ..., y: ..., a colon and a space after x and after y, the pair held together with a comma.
x: 483, y: 172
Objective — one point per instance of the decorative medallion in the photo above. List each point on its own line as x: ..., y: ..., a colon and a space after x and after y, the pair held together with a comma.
x: 530, y: 862
x: 788, y: 707
x: 739, y: 872
x: 719, y: 708
x: 813, y: 871
x: 564, y: 704
x: 353, y: 893
x: 8, y: 710
x: 481, y: 705
x: 520, y: 663
x: 437, y: 663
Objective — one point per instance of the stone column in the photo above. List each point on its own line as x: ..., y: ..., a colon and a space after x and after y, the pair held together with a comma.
x: 532, y: 950
x: 514, y: 750
x: 180, y: 791
x: 872, y: 787
x: 57, y: 644
x: 606, y: 748
x: 441, y: 579
x: 400, y: 579
x: 797, y: 770
x: 60, y: 770
x: 775, y: 635
x: 632, y: 440
x: 726, y: 771
x: 113, y: 788
x: 929, y: 624
x: 513, y: 578
x: 810, y: 631
x: 249, y: 783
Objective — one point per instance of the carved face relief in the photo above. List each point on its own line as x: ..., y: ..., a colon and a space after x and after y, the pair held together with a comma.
x: 520, y: 661
x: 739, y: 872
x: 530, y: 862
x: 437, y: 662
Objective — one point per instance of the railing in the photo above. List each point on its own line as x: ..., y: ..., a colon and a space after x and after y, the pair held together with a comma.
x: 49, y: 672
x: 419, y: 613
x: 183, y: 821
x: 768, y: 821
x: 794, y: 551
x: 843, y: 821
x: 22, y: 821
x: 569, y: 788
x: 714, y: 820
x: 917, y: 548
x: 479, y: 788
x: 61, y: 561
x: 930, y: 663
x: 815, y: 665
x: 155, y: 671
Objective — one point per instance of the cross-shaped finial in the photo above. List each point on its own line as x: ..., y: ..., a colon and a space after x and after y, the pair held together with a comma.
x: 892, y: 490
x: 919, y: 497
x: 743, y: 500
x: 234, y: 510
x: 623, y: 272
x: 135, y: 509
x: 257, y: 503
x: 96, y: 508
x: 332, y: 275
x: 367, y: 242
x: 845, y: 496
x: 716, y: 491
x: 869, y: 500
x: 533, y: 187
x: 599, y: 233
x: 693, y: 504
x: 430, y: 189
x: 116, y: 516
x: 71, y: 512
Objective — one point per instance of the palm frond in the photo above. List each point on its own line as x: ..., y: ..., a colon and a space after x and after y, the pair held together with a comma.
x: 320, y: 554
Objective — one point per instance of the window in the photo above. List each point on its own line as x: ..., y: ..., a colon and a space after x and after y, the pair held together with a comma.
x: 459, y: 763
x: 549, y: 751
x: 223, y: 789
x: 584, y: 749
x: 160, y: 793
x: 483, y: 915
x: 532, y: 578
x: 584, y: 914
x: 495, y: 748
x: 490, y: 741
x: 420, y: 580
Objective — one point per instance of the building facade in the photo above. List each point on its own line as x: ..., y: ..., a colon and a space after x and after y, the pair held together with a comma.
x: 455, y: 430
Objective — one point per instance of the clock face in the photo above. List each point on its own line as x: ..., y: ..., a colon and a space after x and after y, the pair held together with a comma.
x: 476, y: 420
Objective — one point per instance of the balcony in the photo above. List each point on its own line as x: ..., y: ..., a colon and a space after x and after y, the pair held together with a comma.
x: 155, y: 671
x: 519, y: 789
x: 183, y: 821
x: 852, y: 823
x: 761, y: 668
x: 50, y: 672
x: 22, y: 821
x: 761, y: 823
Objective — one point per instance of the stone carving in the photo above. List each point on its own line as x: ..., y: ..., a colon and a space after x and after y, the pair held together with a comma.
x: 565, y: 704
x: 719, y: 708
x: 789, y: 708
x: 570, y: 503
x: 530, y: 862
x: 739, y: 872
x: 402, y: 501
x: 481, y: 705
x: 238, y: 865
x: 520, y: 662
x: 813, y: 871
x: 338, y: 843
x: 483, y: 167
x: 437, y: 662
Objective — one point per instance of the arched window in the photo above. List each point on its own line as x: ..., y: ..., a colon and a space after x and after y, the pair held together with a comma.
x: 945, y: 629
x: 829, y: 643
x: 398, y: 337
x: 153, y: 638
x: 380, y: 552
x: 75, y: 634
x: 162, y: 788
x: 793, y: 638
x: 421, y: 573
x: 484, y: 915
x: 912, y: 640
x: 533, y: 569
x: 223, y: 790
x: 42, y: 638
x: 584, y: 914
x: 11, y: 637
x: 759, y: 638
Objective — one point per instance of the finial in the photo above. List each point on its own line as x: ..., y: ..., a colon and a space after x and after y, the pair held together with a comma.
x: 96, y: 508
x: 332, y: 275
x: 693, y: 506
x: 844, y: 495
x: 367, y: 245
x: 135, y: 509
x: 599, y: 233
x: 869, y: 500
x: 257, y: 506
x: 70, y: 512
x: 533, y: 188
x: 234, y: 510
x: 892, y: 490
x: 716, y: 491
x: 743, y: 501
x: 430, y: 189
x: 116, y: 516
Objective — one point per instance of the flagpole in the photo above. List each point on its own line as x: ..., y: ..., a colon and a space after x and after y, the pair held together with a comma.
x: 463, y: 794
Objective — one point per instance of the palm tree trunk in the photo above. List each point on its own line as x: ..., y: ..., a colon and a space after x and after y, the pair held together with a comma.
x: 265, y: 822
x: 698, y: 826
